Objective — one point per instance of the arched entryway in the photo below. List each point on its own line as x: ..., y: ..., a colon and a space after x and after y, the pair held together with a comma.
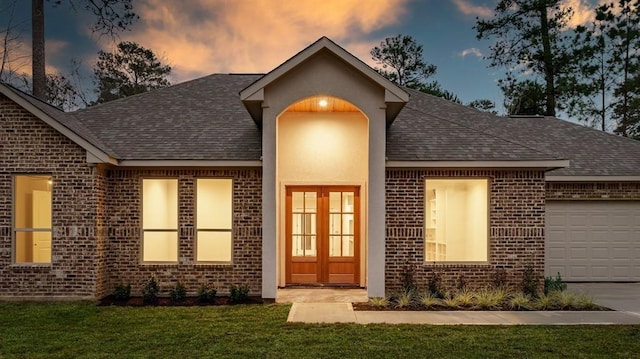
x: 322, y: 172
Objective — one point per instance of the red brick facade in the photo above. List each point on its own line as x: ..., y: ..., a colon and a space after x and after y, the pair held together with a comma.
x: 593, y: 191
x: 123, y: 221
x: 516, y: 226
x: 29, y: 146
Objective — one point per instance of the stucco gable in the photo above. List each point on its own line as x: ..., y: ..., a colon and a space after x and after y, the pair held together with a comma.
x: 253, y: 95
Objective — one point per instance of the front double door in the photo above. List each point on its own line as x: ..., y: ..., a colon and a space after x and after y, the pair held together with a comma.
x: 323, y: 235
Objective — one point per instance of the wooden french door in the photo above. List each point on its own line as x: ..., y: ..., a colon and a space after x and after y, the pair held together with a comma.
x: 323, y: 234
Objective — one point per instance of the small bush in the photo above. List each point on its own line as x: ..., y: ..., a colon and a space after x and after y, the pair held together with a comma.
x: 238, y: 294
x: 465, y: 298
x: 519, y: 301
x: 544, y: 302
x: 404, y: 299
x: 584, y: 302
x: 435, y: 284
x: 178, y: 293
x: 408, y: 277
x: 379, y: 302
x: 499, y: 278
x: 554, y: 284
x: 150, y: 290
x: 487, y: 298
x: 122, y: 291
x: 206, y: 294
x: 530, y: 282
x: 563, y: 300
x: 429, y: 300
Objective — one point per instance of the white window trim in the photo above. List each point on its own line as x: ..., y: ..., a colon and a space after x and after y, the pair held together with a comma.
x: 142, y: 230
x: 488, y: 240
x: 15, y: 230
x: 196, y: 229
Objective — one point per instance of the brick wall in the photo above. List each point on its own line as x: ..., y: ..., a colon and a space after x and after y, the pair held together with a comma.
x: 124, y: 222
x: 593, y: 191
x: 29, y: 146
x: 516, y: 226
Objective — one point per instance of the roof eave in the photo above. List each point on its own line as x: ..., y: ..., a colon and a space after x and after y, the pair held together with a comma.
x: 547, y: 165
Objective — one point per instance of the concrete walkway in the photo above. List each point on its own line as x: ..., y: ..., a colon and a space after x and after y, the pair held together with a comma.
x: 334, y: 306
x: 344, y: 313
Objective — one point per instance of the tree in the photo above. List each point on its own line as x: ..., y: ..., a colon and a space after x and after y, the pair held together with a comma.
x: 402, y: 61
x: 11, y: 63
x: 530, y: 37
x: 485, y: 105
x: 593, y: 73
x: 62, y: 93
x: 625, y: 35
x: 434, y: 88
x: 131, y: 69
x: 111, y: 16
x: 526, y: 98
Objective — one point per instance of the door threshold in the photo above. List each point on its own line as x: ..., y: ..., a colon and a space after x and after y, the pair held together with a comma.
x: 322, y: 285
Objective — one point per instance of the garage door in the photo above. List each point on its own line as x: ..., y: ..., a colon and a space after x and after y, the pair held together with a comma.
x: 593, y: 240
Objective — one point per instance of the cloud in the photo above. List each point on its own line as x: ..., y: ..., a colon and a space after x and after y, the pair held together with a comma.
x: 472, y: 51
x: 582, y: 12
x: 200, y: 37
x: 467, y: 8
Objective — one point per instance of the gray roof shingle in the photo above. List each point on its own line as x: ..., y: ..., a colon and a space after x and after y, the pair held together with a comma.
x: 202, y: 119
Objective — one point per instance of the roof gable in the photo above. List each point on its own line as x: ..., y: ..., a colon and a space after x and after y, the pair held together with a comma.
x: 253, y: 95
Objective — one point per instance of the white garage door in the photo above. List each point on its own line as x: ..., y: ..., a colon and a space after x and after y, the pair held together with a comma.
x: 593, y: 240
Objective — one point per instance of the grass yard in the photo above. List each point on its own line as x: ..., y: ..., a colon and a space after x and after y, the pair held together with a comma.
x: 81, y: 330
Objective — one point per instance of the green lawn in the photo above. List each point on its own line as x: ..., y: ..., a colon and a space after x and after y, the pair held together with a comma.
x: 72, y: 330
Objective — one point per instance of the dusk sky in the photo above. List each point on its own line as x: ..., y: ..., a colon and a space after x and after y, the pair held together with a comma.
x: 201, y: 37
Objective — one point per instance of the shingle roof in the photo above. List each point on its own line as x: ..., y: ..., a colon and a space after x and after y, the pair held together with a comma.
x: 202, y: 119
x: 591, y: 152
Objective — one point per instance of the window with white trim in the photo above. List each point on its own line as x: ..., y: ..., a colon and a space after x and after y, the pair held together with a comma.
x: 214, y: 218
x: 456, y: 220
x: 159, y: 220
x: 32, y: 218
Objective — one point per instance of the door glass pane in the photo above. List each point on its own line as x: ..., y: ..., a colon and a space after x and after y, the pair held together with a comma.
x: 298, y: 249
x: 347, y: 202
x: 335, y: 246
x: 310, y: 246
x: 296, y: 226
x: 347, y: 246
x: 310, y: 199
x: 347, y: 224
x: 297, y: 203
x: 310, y: 223
x: 334, y: 202
x: 334, y: 224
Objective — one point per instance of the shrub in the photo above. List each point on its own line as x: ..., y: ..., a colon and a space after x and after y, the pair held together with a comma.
x: 435, y: 284
x: 519, y: 301
x: 429, y: 300
x: 408, y: 277
x: 238, y: 294
x: 585, y: 302
x: 178, y: 293
x: 404, y: 299
x: 499, y: 278
x: 122, y: 291
x: 544, y: 302
x: 379, y: 301
x: 150, y: 290
x: 530, y: 282
x: 206, y: 294
x: 487, y: 298
x: 554, y: 284
x: 465, y: 298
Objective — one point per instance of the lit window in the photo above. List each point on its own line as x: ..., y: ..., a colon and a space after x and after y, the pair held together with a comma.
x: 32, y: 218
x: 456, y: 220
x: 214, y: 208
x: 160, y: 220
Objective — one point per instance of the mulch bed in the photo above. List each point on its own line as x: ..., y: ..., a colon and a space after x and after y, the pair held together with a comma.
x: 167, y: 302
x: 369, y: 307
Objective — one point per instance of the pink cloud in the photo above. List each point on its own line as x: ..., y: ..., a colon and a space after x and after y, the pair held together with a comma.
x: 467, y: 8
x: 200, y: 37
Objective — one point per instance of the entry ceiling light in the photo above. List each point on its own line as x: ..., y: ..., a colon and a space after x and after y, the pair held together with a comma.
x: 322, y: 103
